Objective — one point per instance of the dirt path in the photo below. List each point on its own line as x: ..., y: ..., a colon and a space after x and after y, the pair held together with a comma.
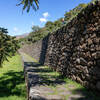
x: 43, y: 84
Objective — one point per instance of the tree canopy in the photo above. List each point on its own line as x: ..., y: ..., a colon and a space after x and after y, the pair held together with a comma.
x: 27, y: 4
x: 8, y: 45
x: 35, y: 28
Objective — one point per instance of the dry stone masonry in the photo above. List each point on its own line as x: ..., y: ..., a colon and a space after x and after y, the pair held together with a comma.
x: 32, y: 50
x: 74, y: 50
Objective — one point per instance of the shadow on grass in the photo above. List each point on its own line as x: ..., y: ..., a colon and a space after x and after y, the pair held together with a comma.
x: 43, y: 80
x: 43, y: 76
x: 32, y: 67
x: 87, y: 94
x: 8, y: 84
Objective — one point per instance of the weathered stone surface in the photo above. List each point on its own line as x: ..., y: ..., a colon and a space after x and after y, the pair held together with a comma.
x: 74, y: 50
x: 98, y: 85
x: 78, y: 47
x: 34, y: 95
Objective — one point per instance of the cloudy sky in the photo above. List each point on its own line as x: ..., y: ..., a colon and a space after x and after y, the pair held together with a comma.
x: 11, y: 16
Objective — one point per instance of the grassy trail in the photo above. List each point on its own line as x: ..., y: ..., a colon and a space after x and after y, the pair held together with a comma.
x: 12, y: 84
x: 52, y: 86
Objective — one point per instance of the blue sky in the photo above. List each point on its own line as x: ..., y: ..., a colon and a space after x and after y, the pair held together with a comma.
x: 11, y: 16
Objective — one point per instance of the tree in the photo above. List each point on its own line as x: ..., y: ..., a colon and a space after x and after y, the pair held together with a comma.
x: 57, y: 24
x: 49, y: 26
x: 52, y: 26
x: 27, y: 4
x: 35, y: 28
x: 8, y: 45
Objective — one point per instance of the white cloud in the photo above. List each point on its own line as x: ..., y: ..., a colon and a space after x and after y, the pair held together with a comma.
x: 15, y: 30
x: 46, y: 14
x: 43, y: 20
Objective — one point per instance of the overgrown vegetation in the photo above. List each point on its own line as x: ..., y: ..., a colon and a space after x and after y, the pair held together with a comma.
x: 50, y: 26
x: 27, y: 4
x: 8, y: 45
x: 72, y: 13
x: 12, y: 84
x: 39, y: 33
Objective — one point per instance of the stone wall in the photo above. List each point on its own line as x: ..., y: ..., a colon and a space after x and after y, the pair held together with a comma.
x: 36, y: 50
x: 33, y: 50
x: 74, y: 50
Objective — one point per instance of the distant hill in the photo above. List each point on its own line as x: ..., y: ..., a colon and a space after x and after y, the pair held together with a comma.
x: 22, y: 36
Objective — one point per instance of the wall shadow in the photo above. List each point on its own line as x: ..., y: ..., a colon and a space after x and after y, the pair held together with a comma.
x: 86, y: 94
x: 9, y: 82
x: 44, y: 49
x: 40, y: 76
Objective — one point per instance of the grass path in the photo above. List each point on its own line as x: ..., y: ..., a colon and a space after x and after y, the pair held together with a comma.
x: 12, y: 84
x: 52, y: 86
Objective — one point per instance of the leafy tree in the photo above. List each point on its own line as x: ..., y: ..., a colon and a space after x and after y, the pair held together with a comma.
x: 49, y: 26
x: 57, y: 24
x: 35, y: 28
x: 27, y: 4
x: 52, y: 26
x: 8, y: 45
x: 37, y: 35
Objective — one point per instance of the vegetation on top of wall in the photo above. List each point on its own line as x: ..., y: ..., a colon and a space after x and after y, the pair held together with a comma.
x: 39, y: 33
x: 72, y: 13
x: 74, y: 49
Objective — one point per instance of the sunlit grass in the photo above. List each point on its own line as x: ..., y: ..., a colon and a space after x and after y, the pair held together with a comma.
x: 61, y: 85
x: 12, y: 84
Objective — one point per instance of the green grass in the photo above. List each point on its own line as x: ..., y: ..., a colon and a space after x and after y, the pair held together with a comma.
x: 54, y: 79
x: 30, y: 58
x: 12, y: 84
x: 59, y: 84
